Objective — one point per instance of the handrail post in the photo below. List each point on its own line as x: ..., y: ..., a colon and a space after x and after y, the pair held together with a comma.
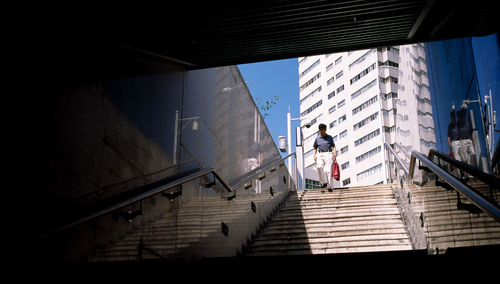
x: 413, y: 160
x: 396, y: 159
x: 295, y: 177
x: 388, y: 164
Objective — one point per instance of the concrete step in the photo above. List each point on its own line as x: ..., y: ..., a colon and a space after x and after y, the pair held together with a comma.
x: 358, y: 219
x: 447, y: 227
x: 198, y: 218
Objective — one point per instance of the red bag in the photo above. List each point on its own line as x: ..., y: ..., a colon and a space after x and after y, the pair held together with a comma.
x: 335, y: 170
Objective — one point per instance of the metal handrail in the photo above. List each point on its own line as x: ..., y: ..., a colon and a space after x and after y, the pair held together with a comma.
x: 475, y: 197
x: 260, y: 170
x: 387, y: 146
x: 134, y: 199
x: 160, y: 189
x: 482, y: 176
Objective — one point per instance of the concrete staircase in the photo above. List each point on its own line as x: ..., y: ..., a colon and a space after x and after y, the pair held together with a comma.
x: 346, y: 220
x: 448, y: 227
x: 194, y: 229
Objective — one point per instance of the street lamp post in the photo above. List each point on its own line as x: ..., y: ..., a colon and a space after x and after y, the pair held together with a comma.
x: 299, y: 159
x: 176, y: 130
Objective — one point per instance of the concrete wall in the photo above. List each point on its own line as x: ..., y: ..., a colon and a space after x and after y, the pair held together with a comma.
x: 104, y: 117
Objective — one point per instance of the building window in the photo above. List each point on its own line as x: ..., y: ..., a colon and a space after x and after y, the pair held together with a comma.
x: 330, y: 66
x: 313, y: 107
x: 389, y: 48
x: 331, y: 95
x: 309, y: 68
x: 315, y: 120
x: 364, y: 89
x: 368, y: 154
x: 346, y: 181
x: 365, y: 105
x: 345, y: 165
x: 388, y: 63
x: 369, y: 171
x: 389, y: 79
x: 330, y: 81
x: 333, y: 124
x: 390, y: 95
x: 332, y: 109
x: 365, y: 121
x: 390, y: 129
x: 361, y: 58
x: 339, y: 74
x: 317, y: 90
x: 342, y: 119
x: 338, y: 60
x: 343, y: 134
x: 363, y: 73
x: 341, y: 104
x: 312, y: 184
x: 367, y: 137
x: 306, y: 84
x: 340, y: 89
x: 344, y: 149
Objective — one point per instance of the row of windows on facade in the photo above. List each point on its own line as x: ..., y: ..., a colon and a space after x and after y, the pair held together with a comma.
x: 366, y: 120
x: 361, y: 157
x: 345, y: 149
x: 317, y: 62
x: 343, y: 117
x: 353, y: 96
x: 341, y: 73
x: 332, y: 94
x: 355, y: 110
x: 331, y: 80
x: 339, y: 59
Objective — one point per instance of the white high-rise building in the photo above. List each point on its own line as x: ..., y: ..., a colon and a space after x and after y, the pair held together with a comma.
x: 366, y: 98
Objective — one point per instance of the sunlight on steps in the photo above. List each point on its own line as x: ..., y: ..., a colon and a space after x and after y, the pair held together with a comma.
x: 356, y: 219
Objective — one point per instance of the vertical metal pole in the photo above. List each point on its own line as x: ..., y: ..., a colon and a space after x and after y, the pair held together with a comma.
x: 295, y: 172
x: 299, y: 158
x: 288, y: 139
x: 176, y: 127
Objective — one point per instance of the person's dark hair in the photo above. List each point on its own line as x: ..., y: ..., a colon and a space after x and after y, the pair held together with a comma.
x: 322, y: 126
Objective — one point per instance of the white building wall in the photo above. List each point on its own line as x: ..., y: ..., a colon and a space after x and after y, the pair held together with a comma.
x: 383, y: 112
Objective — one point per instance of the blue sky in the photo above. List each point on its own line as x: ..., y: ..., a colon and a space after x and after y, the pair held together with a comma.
x: 275, y: 78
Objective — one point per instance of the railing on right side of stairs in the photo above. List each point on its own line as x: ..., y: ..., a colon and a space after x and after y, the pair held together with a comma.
x: 446, y: 202
x: 486, y: 203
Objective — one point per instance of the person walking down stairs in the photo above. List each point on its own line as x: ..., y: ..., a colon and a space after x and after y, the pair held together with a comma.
x: 327, y: 153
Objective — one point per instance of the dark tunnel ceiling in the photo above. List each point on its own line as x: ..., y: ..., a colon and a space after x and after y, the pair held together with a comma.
x: 219, y: 33
x: 191, y: 35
